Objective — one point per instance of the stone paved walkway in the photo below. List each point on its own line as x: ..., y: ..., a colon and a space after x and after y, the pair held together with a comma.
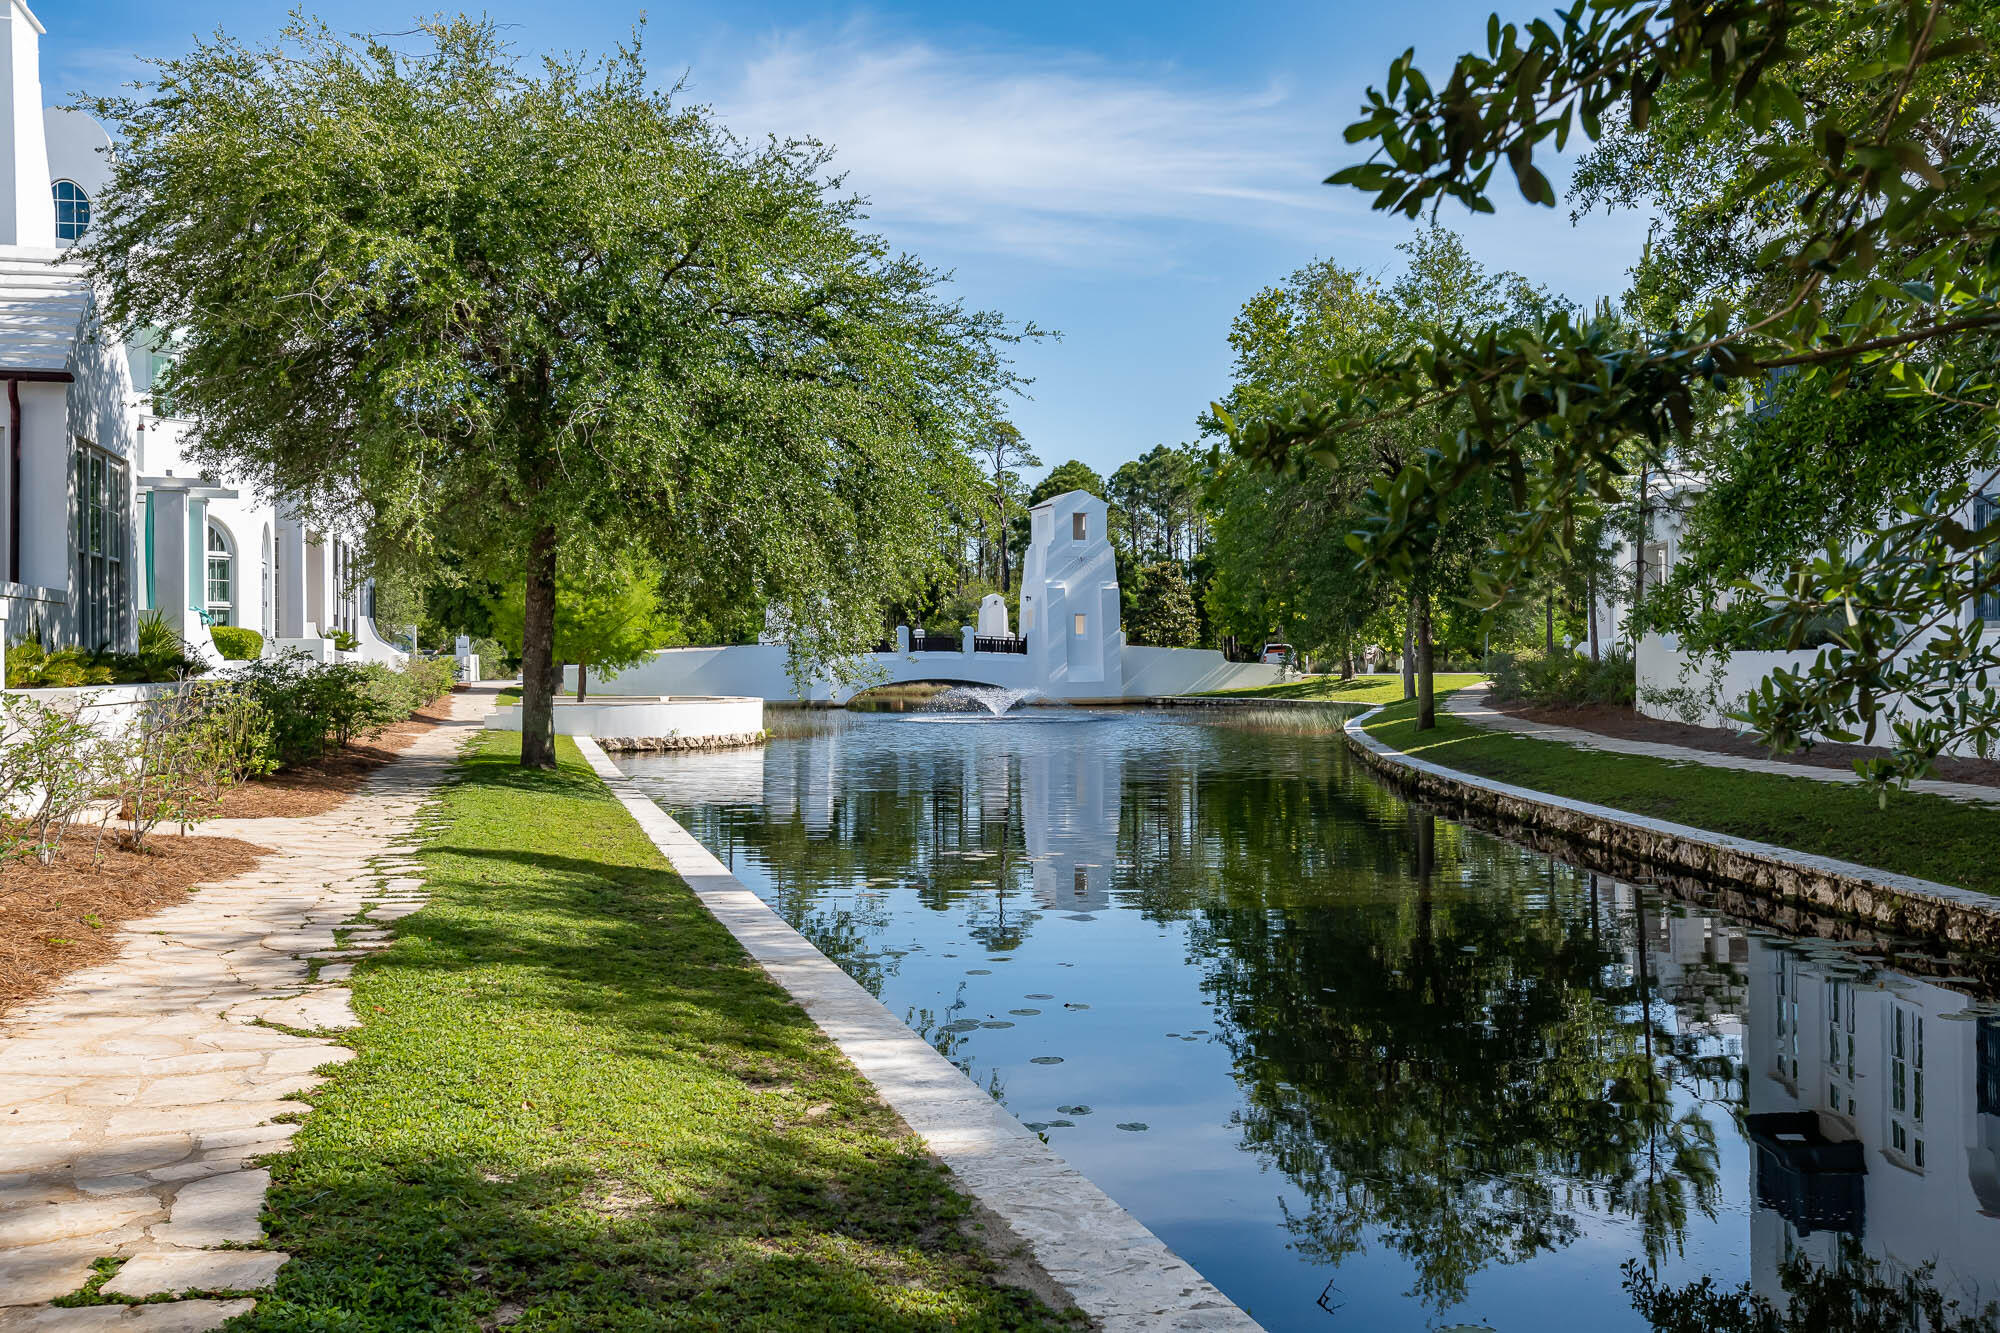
x: 136, y: 1099
x: 1468, y: 704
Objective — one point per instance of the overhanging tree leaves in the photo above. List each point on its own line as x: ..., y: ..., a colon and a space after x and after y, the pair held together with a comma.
x: 1884, y: 253
x: 510, y: 306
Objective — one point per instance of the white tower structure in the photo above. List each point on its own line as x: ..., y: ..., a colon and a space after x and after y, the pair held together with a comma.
x: 27, y: 209
x: 1069, y: 598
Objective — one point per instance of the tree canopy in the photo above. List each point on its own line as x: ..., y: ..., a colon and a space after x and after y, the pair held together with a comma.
x: 518, y: 309
x: 1845, y: 161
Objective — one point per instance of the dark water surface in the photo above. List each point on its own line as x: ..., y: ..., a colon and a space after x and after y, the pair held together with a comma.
x: 1366, y: 1068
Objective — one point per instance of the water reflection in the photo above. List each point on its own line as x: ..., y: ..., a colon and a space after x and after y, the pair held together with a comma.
x: 1362, y: 1066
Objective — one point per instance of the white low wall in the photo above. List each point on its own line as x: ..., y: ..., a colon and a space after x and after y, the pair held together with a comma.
x: 1155, y: 672
x: 111, y: 709
x: 1703, y: 690
x: 759, y: 670
x: 688, y: 718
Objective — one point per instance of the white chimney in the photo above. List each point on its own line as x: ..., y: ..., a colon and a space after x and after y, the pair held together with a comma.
x: 27, y: 207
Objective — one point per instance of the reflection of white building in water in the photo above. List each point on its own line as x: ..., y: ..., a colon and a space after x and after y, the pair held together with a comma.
x: 1878, y: 1124
x: 1070, y: 798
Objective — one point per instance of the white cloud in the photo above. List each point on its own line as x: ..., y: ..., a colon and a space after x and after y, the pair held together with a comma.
x: 1049, y: 156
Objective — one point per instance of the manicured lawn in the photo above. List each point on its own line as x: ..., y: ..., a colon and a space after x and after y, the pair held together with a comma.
x: 1370, y: 690
x: 577, y: 1105
x: 510, y: 695
x: 1916, y: 834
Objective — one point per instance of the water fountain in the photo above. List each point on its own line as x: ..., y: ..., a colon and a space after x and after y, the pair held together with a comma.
x: 990, y: 699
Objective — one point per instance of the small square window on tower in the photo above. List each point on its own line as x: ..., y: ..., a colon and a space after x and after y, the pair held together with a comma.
x: 1078, y: 526
x: 1080, y: 620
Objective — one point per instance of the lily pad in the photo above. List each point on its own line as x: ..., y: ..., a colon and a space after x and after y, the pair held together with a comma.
x: 1078, y: 1109
x: 1134, y: 1126
x: 1046, y: 1060
x: 1025, y: 1013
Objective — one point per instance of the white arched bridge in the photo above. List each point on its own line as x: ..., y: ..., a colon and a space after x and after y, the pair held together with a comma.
x: 1070, y: 645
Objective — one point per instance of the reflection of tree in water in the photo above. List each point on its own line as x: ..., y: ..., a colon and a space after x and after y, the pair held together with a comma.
x: 1453, y: 1068
x: 1857, y: 1295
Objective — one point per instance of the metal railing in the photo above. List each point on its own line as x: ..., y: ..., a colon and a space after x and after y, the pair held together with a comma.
x: 935, y: 643
x: 1000, y: 643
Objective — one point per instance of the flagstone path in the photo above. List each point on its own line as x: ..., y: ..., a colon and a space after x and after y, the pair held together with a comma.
x: 136, y: 1099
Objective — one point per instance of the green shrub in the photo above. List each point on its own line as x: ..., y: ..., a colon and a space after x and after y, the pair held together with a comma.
x: 344, y: 641
x: 160, y: 658
x: 237, y: 643
x: 316, y: 707
x: 1562, y: 679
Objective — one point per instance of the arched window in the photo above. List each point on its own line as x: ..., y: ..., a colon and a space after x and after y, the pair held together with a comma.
x: 72, y: 211
x: 221, y: 577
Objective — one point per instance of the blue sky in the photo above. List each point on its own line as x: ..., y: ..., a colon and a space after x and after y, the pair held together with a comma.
x: 1125, y: 173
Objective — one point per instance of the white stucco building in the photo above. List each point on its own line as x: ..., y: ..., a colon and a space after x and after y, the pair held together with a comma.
x: 102, y: 518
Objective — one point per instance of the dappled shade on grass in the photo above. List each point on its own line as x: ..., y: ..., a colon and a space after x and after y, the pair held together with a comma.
x: 577, y: 1104
x: 1930, y: 837
x: 1369, y: 690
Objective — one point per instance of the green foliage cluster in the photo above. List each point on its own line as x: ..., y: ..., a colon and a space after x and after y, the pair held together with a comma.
x: 188, y: 748
x: 161, y: 657
x: 1163, y: 612
x: 1829, y: 174
x: 517, y: 306
x: 237, y: 643
x: 608, y: 617
x: 1561, y: 678
x: 316, y: 707
x: 1859, y: 1294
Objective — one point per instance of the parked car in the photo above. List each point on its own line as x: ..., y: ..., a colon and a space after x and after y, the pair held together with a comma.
x: 1276, y: 654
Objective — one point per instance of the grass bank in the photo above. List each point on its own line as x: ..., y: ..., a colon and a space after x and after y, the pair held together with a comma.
x: 1915, y: 834
x: 576, y: 1104
x: 1369, y: 690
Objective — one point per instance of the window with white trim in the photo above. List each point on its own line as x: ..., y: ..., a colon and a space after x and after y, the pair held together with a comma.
x: 221, y: 600
x: 72, y: 211
x: 100, y: 533
x: 1906, y: 1084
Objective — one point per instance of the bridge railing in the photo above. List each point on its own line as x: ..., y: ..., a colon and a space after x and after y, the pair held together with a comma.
x: 1000, y: 643
x: 935, y: 643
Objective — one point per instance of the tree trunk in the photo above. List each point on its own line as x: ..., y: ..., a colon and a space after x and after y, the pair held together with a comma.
x: 541, y: 676
x: 1639, y: 562
x: 1590, y: 591
x: 1347, y: 662
x: 582, y: 679
x: 1006, y: 574
x: 1549, y: 624
x: 1410, y: 650
x: 1420, y: 612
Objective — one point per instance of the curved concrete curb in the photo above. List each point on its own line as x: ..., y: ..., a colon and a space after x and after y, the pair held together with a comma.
x: 1116, y: 1271
x: 1900, y: 903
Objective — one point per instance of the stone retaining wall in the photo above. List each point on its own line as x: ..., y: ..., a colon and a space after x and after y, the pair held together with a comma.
x: 674, y: 744
x: 1631, y: 845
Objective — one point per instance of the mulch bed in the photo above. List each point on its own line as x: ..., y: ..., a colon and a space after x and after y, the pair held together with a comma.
x: 56, y: 919
x: 315, y: 788
x: 1629, y: 724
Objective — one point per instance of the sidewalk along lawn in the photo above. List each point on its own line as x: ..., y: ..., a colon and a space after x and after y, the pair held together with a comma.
x: 1914, y: 833
x: 576, y: 1103
x: 1368, y: 690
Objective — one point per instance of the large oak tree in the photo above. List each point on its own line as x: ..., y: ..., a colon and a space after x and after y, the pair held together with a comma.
x: 540, y: 312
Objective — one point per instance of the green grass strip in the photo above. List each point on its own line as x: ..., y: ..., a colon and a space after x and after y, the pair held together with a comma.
x: 577, y: 1104
x: 1918, y: 834
x: 1369, y: 690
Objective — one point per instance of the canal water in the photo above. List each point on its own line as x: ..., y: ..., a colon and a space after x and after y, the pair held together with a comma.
x: 1364, y: 1067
